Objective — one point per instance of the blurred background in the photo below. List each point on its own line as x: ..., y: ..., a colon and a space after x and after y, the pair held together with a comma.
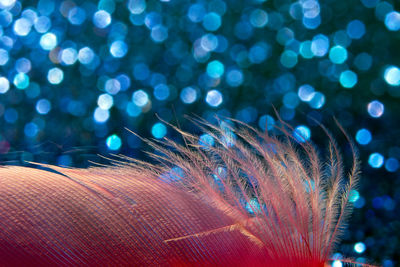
x: 74, y: 74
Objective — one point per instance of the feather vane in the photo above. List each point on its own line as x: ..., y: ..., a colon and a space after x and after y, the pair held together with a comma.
x: 250, y: 199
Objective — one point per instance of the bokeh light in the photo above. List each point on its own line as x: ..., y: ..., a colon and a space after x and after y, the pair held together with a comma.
x: 158, y: 130
x: 363, y: 136
x: 376, y: 160
x: 375, y: 109
x: 392, y: 21
x: 359, y: 247
x: 55, y: 76
x: 348, y: 79
x: 114, y: 142
x: 392, y: 75
x: 302, y: 133
x: 101, y: 19
x: 140, y: 98
x: 214, y: 98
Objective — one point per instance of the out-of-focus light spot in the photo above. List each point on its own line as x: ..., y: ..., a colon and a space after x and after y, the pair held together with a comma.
x: 359, y: 203
x: 124, y: 81
x: 247, y: 115
x: 317, y: 100
x: 173, y: 175
x: 211, y: 21
x: 137, y: 7
x: 158, y: 130
x: 10, y: 115
x: 42, y: 24
x: 259, y: 52
x: 376, y: 160
x: 215, y: 69
x: 311, y: 23
x: 388, y: 263
x: 258, y: 18
x: 31, y: 129
x: 23, y: 65
x: 3, y: 57
x: 196, y: 12
x: 341, y: 38
x: 288, y: 59
x: 363, y: 61
x: 141, y: 71
x: 76, y: 15
x: 85, y: 55
x: 348, y: 79
x: 253, y: 206
x: 285, y: 36
x: 355, y: 29
x: 29, y: 14
x: 375, y: 109
x: 101, y: 19
x: 392, y: 164
x: 206, y: 140
x: 7, y: 3
x: 320, y: 45
x: 306, y: 92
x: 354, y: 196
x: 228, y: 138
x: 118, y: 49
x: 101, y: 115
x: 188, y: 95
x: 337, y: 263
x: 55, y: 76
x: 159, y: 33
x: 4, y: 85
x: 140, y: 98
x: 152, y: 20
x: 133, y: 110
x: 369, y: 3
x: 48, y: 41
x: 338, y: 54
x: 214, y: 98
x: 69, y: 56
x: 105, y: 101
x: 392, y: 21
x: 286, y: 113
x: 359, y: 247
x: 209, y: 42
x: 363, y: 137
x: 305, y: 49
x: 43, y: 106
x: 21, y: 80
x: 302, y: 133
x: 392, y: 75
x: 234, y: 77
x: 113, y: 142
x: 22, y: 27
x: 112, y: 86
x: 382, y: 8
x: 296, y: 10
x: 290, y: 100
x: 311, y: 8
x: 161, y: 91
x: 266, y: 121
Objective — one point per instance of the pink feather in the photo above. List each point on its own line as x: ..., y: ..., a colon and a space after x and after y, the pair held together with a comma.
x: 264, y: 201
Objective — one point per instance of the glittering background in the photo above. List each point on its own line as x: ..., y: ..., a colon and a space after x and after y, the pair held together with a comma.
x: 75, y: 73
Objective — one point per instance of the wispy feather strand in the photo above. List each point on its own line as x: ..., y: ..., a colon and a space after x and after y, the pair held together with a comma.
x: 249, y: 199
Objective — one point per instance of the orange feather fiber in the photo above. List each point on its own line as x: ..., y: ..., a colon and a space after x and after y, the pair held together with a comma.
x: 247, y: 198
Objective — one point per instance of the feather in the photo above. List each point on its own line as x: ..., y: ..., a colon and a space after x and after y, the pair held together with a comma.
x: 250, y: 199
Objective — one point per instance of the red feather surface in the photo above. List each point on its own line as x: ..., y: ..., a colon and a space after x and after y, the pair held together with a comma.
x: 248, y: 200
